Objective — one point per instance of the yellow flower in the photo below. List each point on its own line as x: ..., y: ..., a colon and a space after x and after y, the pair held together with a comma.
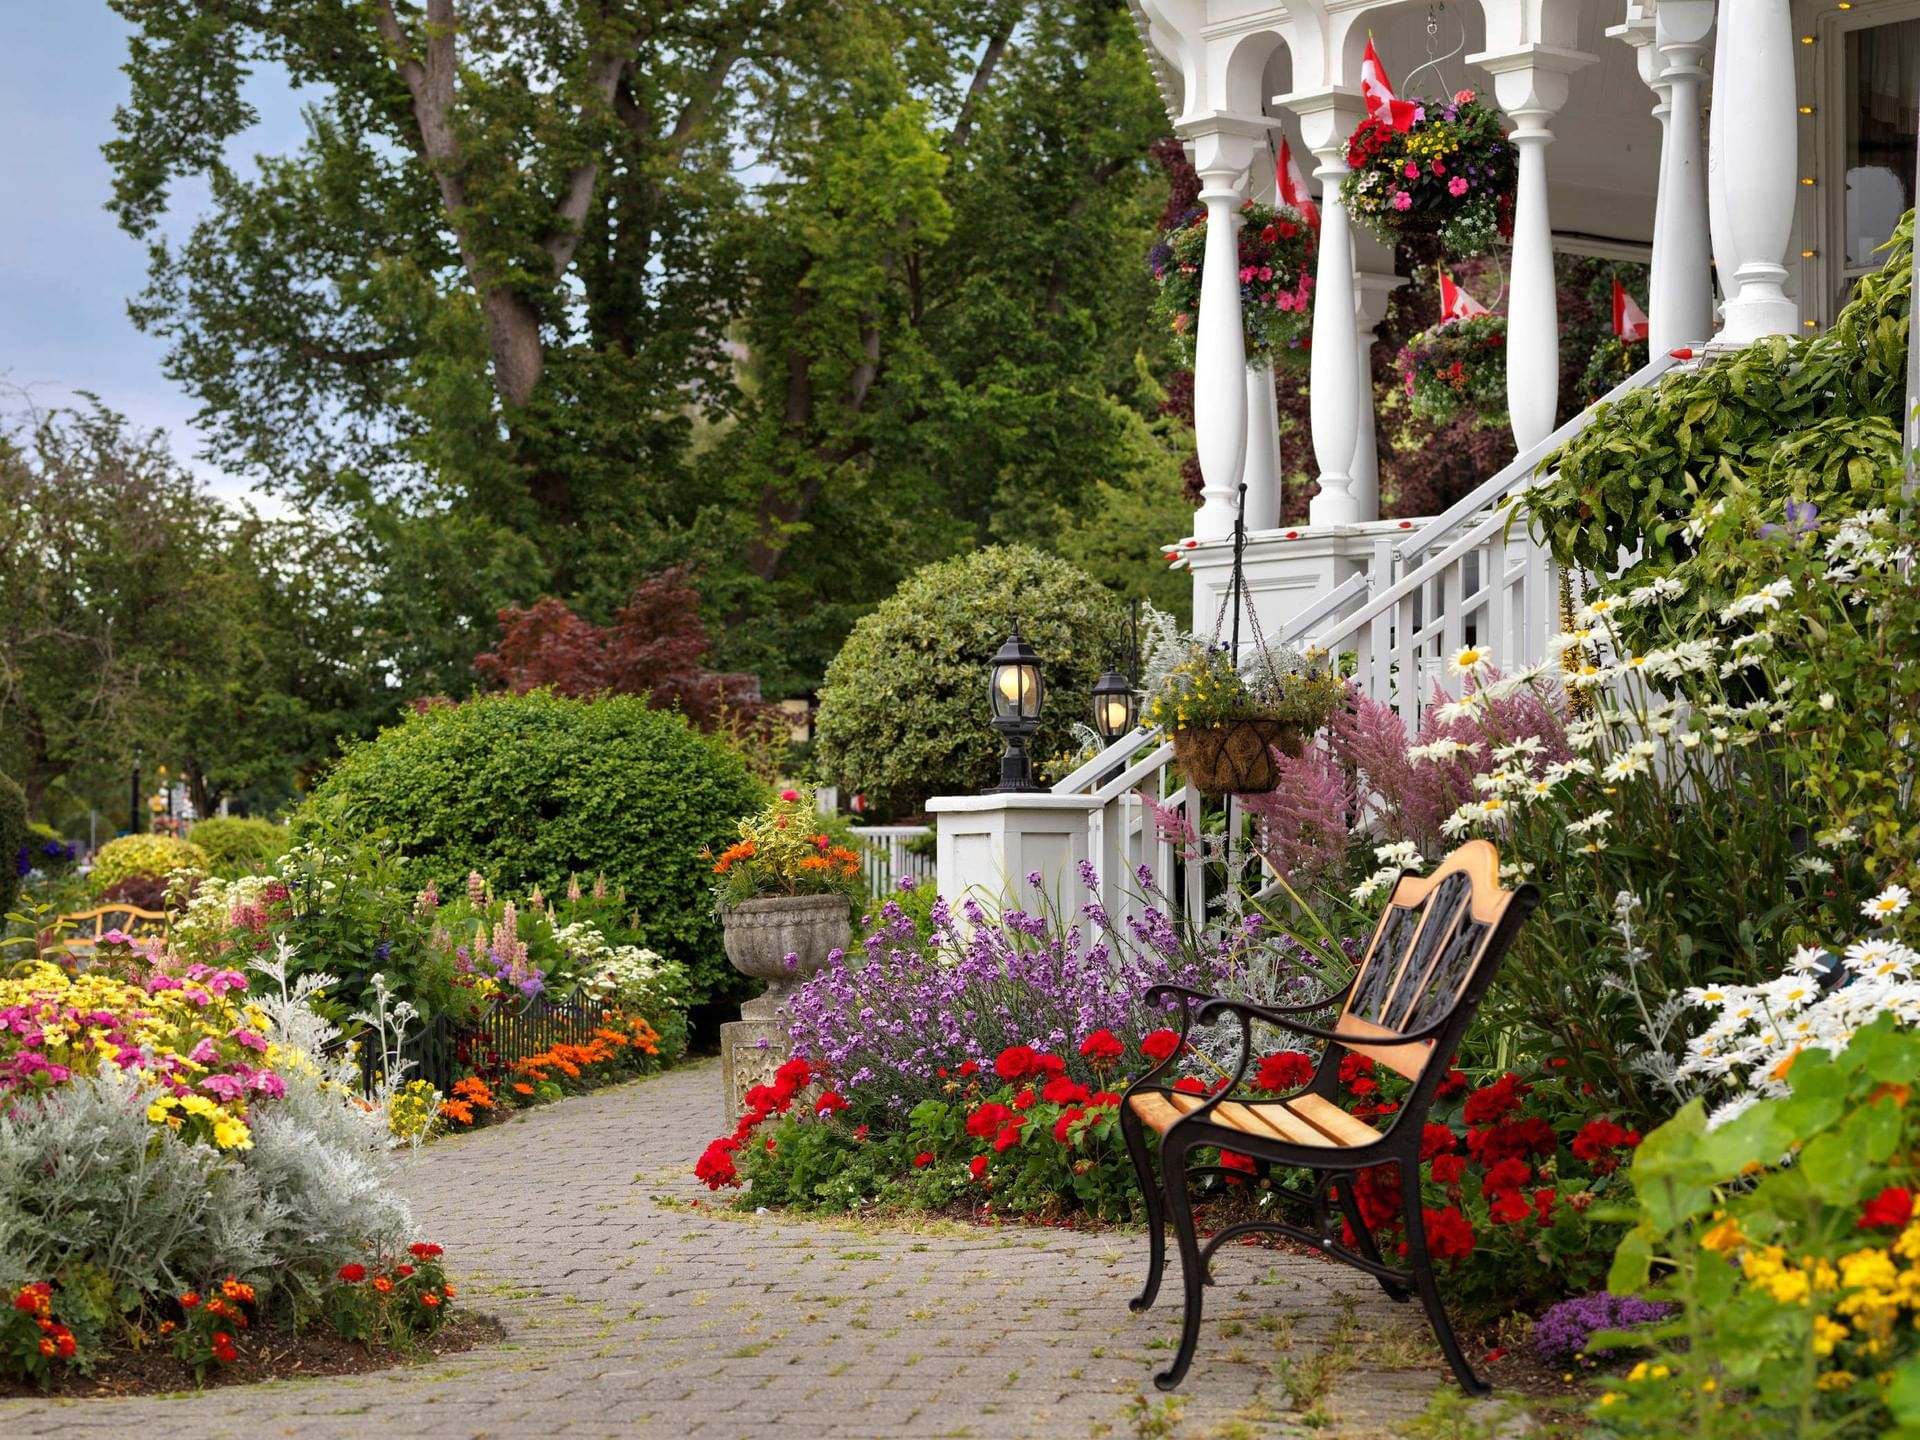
x: 230, y: 1134
x: 1835, y: 1380
x: 1827, y: 1334
x: 199, y: 1105
x: 157, y: 1111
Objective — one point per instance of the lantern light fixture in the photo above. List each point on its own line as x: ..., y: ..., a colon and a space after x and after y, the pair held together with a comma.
x: 1016, y: 690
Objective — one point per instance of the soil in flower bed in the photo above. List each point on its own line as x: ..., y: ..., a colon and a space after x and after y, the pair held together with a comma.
x: 265, y: 1355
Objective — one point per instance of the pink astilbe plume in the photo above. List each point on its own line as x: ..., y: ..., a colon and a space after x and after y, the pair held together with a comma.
x: 1300, y: 827
x: 1407, y: 801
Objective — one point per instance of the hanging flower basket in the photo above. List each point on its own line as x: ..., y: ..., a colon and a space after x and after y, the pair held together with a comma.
x: 1237, y: 758
x: 1276, y: 282
x: 1451, y: 175
x: 1225, y: 724
x: 1454, y: 366
x: 1613, y: 361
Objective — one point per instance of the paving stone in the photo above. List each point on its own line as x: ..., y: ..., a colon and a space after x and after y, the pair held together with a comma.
x: 627, y: 1316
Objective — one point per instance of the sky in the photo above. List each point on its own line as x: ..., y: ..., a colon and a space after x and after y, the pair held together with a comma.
x: 66, y: 268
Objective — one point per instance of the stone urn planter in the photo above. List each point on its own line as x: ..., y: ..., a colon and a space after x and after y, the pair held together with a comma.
x: 759, y: 936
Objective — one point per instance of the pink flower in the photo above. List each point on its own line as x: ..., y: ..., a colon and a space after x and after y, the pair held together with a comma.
x: 116, y: 937
x: 1402, y: 200
x: 1463, y: 97
x: 1457, y: 185
x: 1413, y: 171
x: 789, y: 795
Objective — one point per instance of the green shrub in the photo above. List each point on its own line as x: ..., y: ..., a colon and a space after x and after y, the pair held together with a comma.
x: 239, y: 846
x: 13, y: 838
x: 150, y: 857
x: 533, y: 789
x: 904, y: 711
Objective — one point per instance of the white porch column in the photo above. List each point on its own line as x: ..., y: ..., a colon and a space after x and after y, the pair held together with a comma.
x: 1638, y: 32
x: 1531, y: 84
x: 1718, y: 231
x: 1222, y: 151
x: 1681, y: 306
x: 1374, y: 290
x: 1754, y: 170
x: 1327, y: 117
x: 1263, y: 471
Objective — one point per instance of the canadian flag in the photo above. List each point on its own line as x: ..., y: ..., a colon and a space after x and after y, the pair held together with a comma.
x: 1291, y: 186
x: 1457, y: 304
x: 1377, y: 91
x: 1629, y: 320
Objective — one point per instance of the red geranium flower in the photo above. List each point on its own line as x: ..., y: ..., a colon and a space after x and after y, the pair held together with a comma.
x: 1065, y: 1123
x: 1892, y: 1208
x: 1232, y: 1160
x: 1543, y: 1202
x: 970, y: 1067
x: 1509, y: 1207
x: 1025, y: 1099
x: 923, y: 1159
x: 1159, y: 1045
x: 1016, y: 1062
x: 987, y: 1119
x: 352, y: 1274
x: 830, y: 1103
x: 1436, y: 1140
x: 1287, y: 1070
x: 1505, y: 1176
x: 1529, y: 1135
x: 1449, y: 1236
x: 978, y: 1167
x: 1353, y: 1067
x: 1492, y: 1103
x: 1190, y: 1085
x: 1104, y: 1097
x: 1062, y: 1091
x: 1447, y: 1169
x: 1102, y: 1047
x: 1597, y: 1141
x: 1455, y: 1082
x: 423, y: 1250
x: 1009, y: 1135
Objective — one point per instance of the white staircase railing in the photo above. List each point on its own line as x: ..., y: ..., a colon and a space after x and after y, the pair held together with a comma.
x: 1471, y: 575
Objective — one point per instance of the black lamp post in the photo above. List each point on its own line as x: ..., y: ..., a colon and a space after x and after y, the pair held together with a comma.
x: 134, y: 827
x: 1016, y: 691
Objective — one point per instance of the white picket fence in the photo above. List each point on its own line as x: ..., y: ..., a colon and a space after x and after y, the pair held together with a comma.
x: 1472, y: 575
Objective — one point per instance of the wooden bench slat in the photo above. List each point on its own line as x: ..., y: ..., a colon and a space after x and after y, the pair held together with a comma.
x: 1327, y: 1117
x: 1275, y: 1121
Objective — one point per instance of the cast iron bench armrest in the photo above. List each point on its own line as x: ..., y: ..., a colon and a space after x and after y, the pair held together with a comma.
x: 1247, y: 1011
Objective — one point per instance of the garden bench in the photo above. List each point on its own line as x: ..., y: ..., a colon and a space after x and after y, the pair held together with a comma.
x: 1417, y: 986
x: 90, y: 925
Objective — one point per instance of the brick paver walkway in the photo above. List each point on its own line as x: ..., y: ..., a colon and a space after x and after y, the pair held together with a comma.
x: 630, y: 1314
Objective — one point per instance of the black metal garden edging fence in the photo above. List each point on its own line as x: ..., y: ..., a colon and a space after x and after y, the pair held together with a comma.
x: 489, y: 1044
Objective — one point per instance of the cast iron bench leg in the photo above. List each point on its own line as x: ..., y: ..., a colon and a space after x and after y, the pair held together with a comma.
x: 1135, y: 1133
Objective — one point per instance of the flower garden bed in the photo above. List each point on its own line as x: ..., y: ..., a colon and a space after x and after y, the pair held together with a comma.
x: 125, y: 1369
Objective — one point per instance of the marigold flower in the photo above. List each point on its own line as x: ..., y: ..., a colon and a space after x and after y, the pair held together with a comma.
x: 383, y: 1284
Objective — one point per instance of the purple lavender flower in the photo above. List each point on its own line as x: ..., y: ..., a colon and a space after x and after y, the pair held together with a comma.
x: 1563, y: 1331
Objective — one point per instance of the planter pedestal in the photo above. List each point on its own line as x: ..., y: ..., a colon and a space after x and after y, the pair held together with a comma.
x: 751, y: 1049
x: 760, y: 935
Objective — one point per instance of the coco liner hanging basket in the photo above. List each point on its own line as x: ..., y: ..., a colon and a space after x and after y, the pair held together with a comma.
x: 1451, y: 174
x: 1237, y: 758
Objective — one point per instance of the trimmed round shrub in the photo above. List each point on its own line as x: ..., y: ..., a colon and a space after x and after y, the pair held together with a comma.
x: 532, y: 789
x: 240, y: 846
x: 145, y: 857
x: 14, y: 860
x: 904, y: 712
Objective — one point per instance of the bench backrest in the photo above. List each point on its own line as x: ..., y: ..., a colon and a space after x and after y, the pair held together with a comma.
x: 89, y: 925
x: 1440, y: 933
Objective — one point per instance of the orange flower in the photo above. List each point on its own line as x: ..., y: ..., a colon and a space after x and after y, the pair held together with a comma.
x: 383, y: 1284
x: 451, y: 1292
x: 430, y: 1299
x: 457, y: 1110
x: 522, y: 1088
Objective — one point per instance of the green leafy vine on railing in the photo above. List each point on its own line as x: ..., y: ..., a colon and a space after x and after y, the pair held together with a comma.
x: 1814, y: 420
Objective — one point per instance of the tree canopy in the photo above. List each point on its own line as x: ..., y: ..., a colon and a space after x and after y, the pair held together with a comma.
x: 807, y: 291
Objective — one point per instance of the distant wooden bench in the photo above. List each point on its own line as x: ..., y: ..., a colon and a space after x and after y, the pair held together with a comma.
x: 1420, y: 980
x: 89, y: 925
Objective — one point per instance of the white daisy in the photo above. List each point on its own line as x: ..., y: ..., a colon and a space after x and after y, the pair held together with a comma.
x: 1469, y: 660
x: 1888, y: 903
x: 1589, y: 823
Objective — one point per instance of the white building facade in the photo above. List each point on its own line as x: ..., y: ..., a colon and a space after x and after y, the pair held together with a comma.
x: 1755, y: 153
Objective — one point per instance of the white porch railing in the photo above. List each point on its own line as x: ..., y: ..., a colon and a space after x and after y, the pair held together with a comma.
x: 887, y: 854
